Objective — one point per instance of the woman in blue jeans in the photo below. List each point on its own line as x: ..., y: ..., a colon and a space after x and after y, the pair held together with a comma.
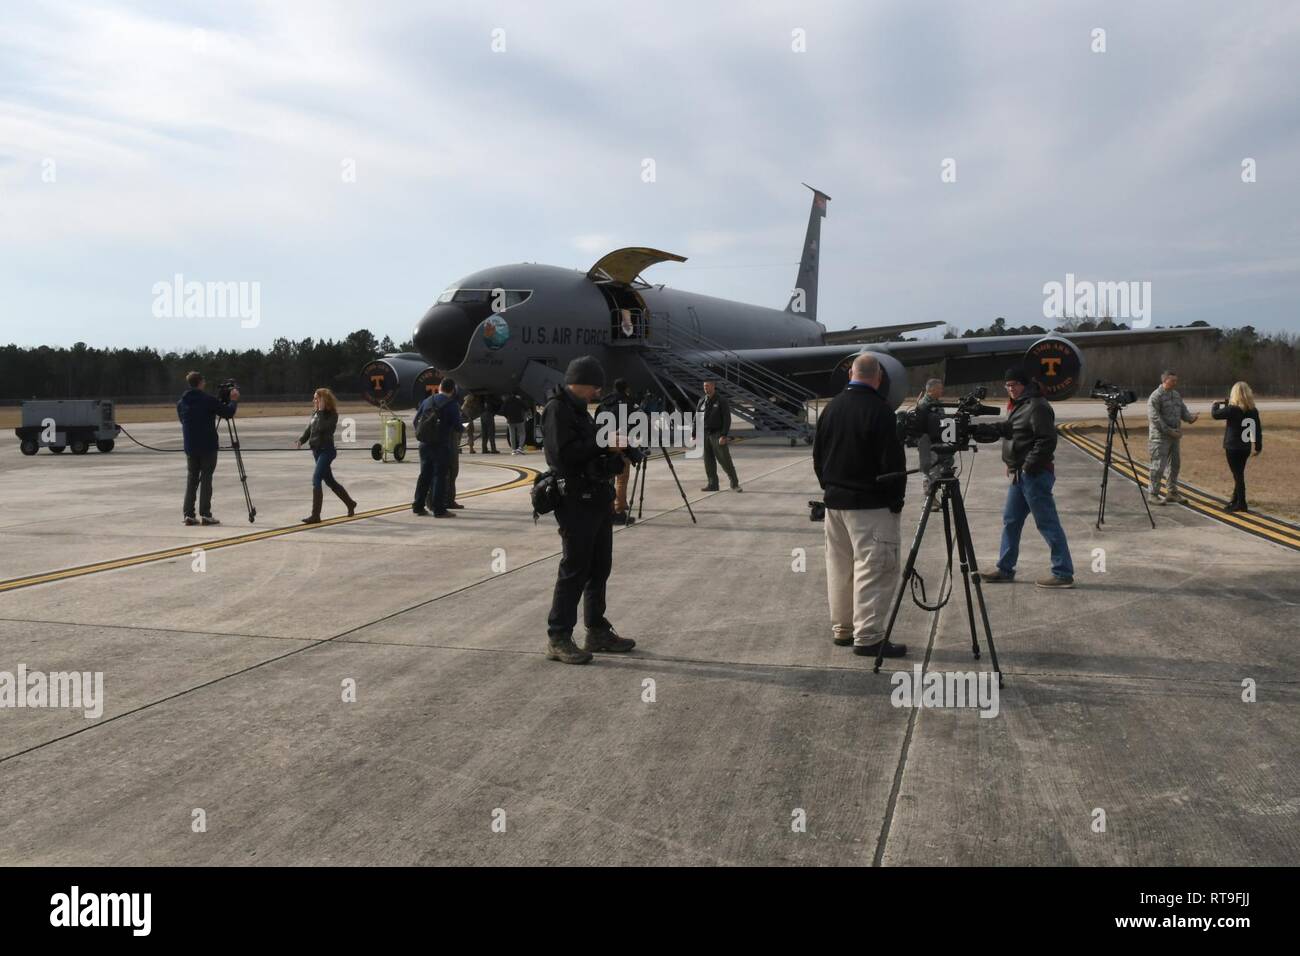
x: 319, y: 436
x: 1028, y: 447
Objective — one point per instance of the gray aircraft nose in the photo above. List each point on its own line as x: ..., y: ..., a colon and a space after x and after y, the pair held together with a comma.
x: 443, y: 335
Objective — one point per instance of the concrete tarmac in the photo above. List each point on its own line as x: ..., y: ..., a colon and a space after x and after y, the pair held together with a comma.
x: 735, y: 733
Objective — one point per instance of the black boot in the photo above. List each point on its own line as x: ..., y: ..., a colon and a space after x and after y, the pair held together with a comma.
x: 344, y: 497
x: 317, y: 497
x: 606, y: 640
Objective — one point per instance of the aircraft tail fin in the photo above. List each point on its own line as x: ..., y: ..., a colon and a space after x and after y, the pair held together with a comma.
x: 803, y: 300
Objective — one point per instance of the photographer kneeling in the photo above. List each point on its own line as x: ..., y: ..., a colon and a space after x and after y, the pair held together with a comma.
x: 1028, y: 445
x: 857, y: 442
x: 198, y: 412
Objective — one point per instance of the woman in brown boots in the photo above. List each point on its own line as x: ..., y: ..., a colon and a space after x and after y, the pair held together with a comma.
x: 319, y: 436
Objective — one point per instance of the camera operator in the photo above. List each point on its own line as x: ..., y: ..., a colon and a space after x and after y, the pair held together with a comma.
x: 198, y: 412
x: 1028, y: 445
x: 928, y: 405
x: 583, y: 515
x: 857, y: 442
x: 1166, y: 411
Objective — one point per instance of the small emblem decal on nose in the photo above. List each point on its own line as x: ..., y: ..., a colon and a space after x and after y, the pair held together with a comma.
x: 496, y: 332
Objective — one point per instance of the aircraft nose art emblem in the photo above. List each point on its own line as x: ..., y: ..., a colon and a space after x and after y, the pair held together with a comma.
x: 496, y: 332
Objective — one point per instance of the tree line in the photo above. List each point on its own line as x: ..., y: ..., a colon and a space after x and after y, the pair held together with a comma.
x: 287, y: 369
x: 1207, y: 365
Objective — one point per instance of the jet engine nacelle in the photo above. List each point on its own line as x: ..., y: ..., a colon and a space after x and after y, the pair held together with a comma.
x: 398, y: 381
x: 1057, y: 365
x: 895, y: 378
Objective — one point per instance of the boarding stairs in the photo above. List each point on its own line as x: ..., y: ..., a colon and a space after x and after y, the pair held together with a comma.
x: 681, y: 359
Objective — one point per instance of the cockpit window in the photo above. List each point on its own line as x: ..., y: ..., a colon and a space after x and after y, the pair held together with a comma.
x: 508, y: 297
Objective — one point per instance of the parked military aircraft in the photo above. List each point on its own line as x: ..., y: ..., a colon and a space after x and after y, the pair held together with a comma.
x: 514, y: 328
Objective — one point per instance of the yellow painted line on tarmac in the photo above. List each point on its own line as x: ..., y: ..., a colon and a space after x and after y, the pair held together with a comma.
x: 1264, y: 526
x: 523, y: 478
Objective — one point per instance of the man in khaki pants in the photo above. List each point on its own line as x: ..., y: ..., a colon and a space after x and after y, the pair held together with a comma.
x: 856, y: 443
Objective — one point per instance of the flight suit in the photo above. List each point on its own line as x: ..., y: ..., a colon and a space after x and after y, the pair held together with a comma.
x: 1166, y: 411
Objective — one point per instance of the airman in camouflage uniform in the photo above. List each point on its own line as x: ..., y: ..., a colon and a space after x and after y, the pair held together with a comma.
x: 1166, y: 412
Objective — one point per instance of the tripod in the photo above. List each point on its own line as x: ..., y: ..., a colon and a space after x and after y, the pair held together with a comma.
x: 946, y: 487
x: 640, y: 478
x: 233, y: 432
x: 1117, y: 426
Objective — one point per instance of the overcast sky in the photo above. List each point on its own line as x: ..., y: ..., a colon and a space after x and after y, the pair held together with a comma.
x: 142, y: 140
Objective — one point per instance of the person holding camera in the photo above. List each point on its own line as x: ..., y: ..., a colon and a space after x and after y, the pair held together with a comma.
x: 319, y: 437
x: 198, y: 413
x: 438, y: 429
x: 856, y: 444
x: 1028, y: 448
x: 1166, y: 411
x: 1242, y: 430
x: 583, y: 515
x: 928, y: 405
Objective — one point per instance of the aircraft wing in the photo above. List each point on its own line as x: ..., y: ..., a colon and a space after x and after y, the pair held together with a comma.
x: 874, y: 334
x: 966, y: 360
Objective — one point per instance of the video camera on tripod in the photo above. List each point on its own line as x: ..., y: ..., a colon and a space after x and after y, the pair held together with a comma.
x: 949, y: 434
x: 224, y: 391
x: 1113, y: 394
x: 1116, y: 398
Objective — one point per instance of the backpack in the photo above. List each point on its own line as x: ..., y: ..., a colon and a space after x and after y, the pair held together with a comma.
x: 429, y: 428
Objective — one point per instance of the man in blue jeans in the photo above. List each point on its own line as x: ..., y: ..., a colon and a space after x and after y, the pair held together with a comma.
x: 435, y: 454
x: 1028, y: 444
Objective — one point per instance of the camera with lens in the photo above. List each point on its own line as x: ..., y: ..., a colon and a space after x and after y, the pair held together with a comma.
x: 225, y: 388
x: 1113, y: 394
x: 949, y: 433
x: 816, y: 511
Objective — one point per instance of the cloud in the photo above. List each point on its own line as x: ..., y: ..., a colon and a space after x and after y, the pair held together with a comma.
x: 218, y: 142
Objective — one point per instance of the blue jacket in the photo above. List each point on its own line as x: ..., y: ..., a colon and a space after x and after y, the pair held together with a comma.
x: 448, y: 411
x: 198, y: 411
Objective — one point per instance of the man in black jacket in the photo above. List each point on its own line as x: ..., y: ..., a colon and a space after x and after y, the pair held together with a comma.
x: 1028, y: 447
x: 433, y: 486
x: 583, y: 515
x: 198, y: 413
x: 715, y: 423
x: 857, y: 442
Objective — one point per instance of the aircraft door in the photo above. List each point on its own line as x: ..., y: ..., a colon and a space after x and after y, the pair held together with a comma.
x: 694, y: 321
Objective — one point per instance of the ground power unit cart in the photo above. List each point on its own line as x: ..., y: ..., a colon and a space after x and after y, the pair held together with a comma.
x: 74, y: 424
